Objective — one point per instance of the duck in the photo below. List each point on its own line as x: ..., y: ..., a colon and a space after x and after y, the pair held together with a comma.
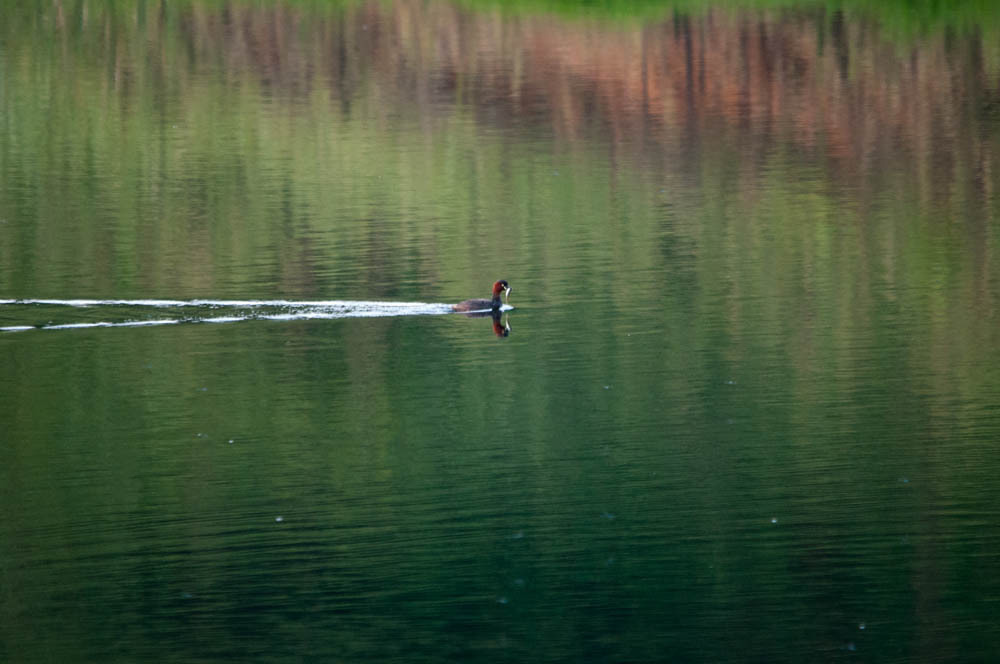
x: 486, y: 305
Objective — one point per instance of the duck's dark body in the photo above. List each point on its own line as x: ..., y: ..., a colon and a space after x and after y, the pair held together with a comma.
x: 485, y: 305
x: 478, y: 305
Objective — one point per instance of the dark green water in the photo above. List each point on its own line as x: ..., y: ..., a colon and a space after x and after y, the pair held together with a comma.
x: 749, y: 405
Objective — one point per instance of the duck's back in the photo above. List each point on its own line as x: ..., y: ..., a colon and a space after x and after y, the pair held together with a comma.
x: 472, y: 305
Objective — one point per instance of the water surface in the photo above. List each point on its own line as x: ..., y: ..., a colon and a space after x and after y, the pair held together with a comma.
x: 745, y: 407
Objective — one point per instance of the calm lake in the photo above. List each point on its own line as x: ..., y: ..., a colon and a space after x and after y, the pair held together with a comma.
x: 745, y: 406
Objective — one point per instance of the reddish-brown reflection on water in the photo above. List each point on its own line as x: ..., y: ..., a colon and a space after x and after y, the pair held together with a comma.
x: 860, y: 97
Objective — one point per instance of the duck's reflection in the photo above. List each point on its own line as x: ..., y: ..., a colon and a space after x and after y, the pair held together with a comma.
x: 501, y: 329
x: 501, y: 321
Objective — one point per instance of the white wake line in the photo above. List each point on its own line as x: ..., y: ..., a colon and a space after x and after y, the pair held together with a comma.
x: 218, y: 319
x: 226, y: 303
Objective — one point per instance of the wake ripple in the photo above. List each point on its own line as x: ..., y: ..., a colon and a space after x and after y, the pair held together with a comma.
x: 244, y: 310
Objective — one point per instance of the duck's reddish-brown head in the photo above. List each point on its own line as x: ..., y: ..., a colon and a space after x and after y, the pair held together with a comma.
x: 501, y: 287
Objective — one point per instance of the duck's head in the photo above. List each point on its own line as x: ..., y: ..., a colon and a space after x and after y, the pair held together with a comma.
x: 501, y: 287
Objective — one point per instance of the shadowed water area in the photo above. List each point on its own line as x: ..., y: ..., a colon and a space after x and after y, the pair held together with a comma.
x: 745, y: 407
